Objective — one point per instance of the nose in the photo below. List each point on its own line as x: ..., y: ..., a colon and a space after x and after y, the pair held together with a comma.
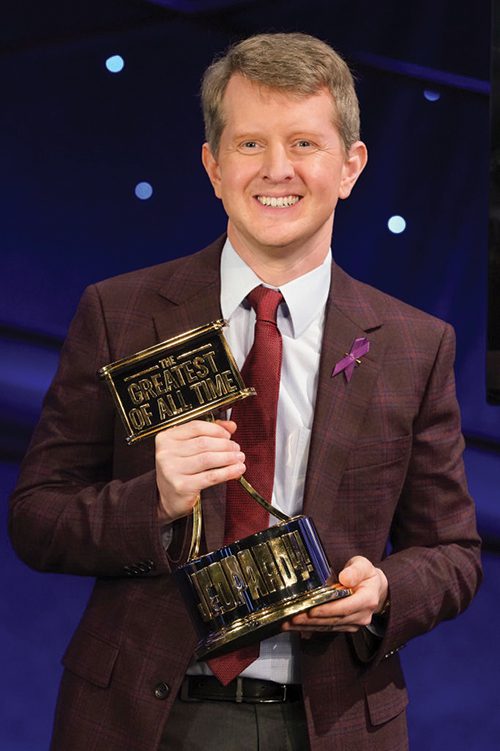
x: 276, y: 165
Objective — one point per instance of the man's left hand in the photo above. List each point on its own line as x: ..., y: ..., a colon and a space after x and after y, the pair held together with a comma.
x: 370, y: 589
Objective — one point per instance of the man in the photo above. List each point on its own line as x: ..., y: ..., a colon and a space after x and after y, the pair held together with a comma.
x: 374, y: 457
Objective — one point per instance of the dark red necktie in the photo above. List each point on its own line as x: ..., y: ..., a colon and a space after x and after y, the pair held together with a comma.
x: 256, y: 434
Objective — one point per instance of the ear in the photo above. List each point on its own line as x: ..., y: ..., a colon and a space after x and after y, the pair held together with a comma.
x: 212, y: 168
x: 353, y: 167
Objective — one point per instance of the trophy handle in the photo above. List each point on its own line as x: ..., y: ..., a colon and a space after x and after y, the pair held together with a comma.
x: 262, y: 502
x: 194, y: 549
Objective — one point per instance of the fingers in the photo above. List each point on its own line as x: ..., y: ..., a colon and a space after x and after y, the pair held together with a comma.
x: 310, y: 621
x: 195, y: 428
x: 370, y: 589
x: 228, y: 425
x: 197, y: 456
x: 196, y: 438
x: 307, y: 632
x: 192, y: 457
x: 199, y: 445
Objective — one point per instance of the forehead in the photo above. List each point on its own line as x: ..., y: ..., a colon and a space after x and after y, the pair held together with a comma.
x: 247, y: 102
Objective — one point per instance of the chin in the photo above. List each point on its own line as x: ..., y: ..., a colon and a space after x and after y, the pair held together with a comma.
x: 279, y: 242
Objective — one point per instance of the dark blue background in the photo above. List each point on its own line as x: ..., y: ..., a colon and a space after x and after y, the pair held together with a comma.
x: 76, y: 139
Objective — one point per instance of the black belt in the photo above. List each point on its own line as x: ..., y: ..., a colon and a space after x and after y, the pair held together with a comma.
x: 241, y: 690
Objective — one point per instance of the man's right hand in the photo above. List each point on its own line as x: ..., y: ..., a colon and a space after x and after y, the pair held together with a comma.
x: 192, y: 457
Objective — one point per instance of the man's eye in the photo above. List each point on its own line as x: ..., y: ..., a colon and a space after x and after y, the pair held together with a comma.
x: 304, y: 144
x: 250, y: 147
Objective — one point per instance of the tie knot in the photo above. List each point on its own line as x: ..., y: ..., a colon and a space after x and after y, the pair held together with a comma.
x: 265, y: 302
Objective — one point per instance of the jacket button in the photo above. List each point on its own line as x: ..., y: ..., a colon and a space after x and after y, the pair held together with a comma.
x: 162, y: 690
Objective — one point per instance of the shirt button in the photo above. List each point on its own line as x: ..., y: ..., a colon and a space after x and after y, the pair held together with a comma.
x: 162, y: 690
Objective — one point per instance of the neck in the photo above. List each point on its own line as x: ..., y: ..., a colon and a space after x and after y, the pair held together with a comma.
x: 279, y: 265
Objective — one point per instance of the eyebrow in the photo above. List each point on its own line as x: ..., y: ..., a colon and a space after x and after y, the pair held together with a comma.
x: 250, y: 135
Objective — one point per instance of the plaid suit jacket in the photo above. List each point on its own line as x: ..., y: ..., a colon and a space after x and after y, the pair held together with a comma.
x: 385, y: 464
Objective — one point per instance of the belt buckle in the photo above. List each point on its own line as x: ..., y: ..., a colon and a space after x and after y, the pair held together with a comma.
x: 276, y: 699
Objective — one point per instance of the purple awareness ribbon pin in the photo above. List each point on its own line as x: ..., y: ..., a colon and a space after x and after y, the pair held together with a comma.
x: 359, y: 348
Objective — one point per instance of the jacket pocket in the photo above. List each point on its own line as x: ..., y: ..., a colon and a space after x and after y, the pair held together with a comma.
x: 91, y: 658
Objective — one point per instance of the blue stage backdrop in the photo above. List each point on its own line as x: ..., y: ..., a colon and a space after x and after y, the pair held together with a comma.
x: 100, y: 150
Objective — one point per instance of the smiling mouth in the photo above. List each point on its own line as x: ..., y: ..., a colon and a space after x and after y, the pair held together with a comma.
x: 278, y: 202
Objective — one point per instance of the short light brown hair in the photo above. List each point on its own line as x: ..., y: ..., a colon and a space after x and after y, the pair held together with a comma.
x: 292, y: 62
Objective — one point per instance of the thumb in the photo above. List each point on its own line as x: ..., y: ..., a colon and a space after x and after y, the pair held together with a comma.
x: 355, y: 571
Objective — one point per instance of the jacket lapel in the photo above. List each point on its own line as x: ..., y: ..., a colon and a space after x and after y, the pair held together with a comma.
x: 340, y: 405
x: 191, y: 294
x: 191, y: 298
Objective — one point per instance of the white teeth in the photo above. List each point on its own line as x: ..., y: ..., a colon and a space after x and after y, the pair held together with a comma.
x: 282, y: 202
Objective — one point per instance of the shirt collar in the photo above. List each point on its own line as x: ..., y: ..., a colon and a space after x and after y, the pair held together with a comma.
x: 305, y: 297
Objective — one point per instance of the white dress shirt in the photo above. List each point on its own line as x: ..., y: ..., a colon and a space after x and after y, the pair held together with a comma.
x: 300, y: 320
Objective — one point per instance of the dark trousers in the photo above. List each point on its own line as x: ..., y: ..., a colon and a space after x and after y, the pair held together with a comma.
x: 228, y: 726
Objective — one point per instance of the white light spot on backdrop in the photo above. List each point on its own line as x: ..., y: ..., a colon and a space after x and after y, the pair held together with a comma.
x: 143, y: 191
x: 396, y: 224
x: 115, y: 63
x: 432, y: 96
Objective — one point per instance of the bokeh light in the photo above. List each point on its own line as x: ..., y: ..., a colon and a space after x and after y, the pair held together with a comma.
x: 143, y: 191
x: 115, y: 63
x: 432, y: 96
x: 396, y: 224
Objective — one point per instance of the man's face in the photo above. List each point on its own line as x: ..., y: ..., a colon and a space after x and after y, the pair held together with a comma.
x: 280, y: 170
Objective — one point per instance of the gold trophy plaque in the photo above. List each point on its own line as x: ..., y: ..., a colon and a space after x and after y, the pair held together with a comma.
x: 180, y: 379
x: 242, y: 592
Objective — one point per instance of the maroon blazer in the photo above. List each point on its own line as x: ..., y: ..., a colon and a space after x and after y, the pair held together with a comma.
x: 385, y: 463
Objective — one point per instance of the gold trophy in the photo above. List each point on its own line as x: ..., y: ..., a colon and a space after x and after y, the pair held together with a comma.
x: 242, y: 592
